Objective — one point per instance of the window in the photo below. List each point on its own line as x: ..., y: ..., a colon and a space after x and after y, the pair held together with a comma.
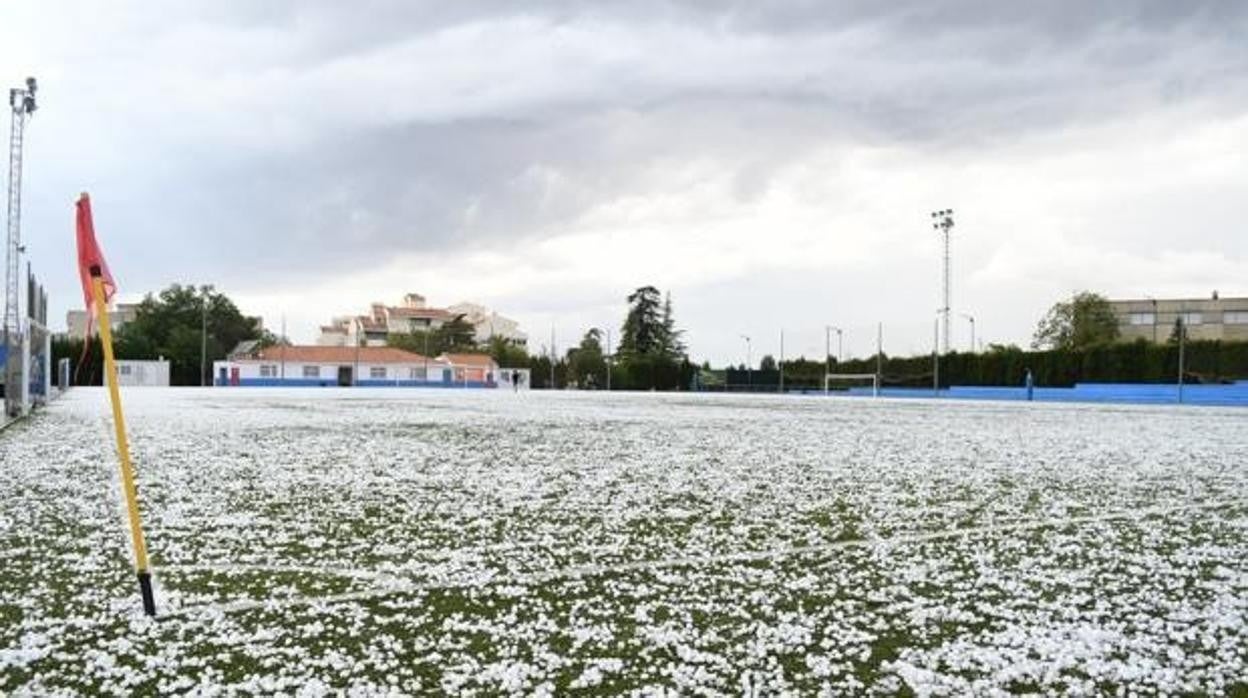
x: 311, y: 371
x: 377, y: 372
x: 268, y: 371
x: 1235, y: 317
x: 1142, y: 319
x: 124, y: 369
x: 1191, y: 318
x: 416, y: 374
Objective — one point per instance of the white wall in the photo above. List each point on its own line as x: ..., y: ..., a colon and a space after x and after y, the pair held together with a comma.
x: 332, y: 339
x: 294, y: 370
x: 503, y: 376
x: 143, y: 373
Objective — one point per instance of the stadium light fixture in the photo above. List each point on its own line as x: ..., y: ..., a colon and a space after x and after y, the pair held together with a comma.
x: 942, y: 222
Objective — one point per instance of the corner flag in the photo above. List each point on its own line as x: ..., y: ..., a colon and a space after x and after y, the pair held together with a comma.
x: 89, y: 256
x: 97, y: 289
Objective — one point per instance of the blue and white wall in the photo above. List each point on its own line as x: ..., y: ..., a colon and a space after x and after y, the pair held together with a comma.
x: 297, y: 373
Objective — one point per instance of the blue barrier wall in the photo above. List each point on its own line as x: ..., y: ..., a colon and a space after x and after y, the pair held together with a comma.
x: 1234, y: 394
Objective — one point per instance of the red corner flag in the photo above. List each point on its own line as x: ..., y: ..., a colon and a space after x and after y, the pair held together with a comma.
x: 89, y: 256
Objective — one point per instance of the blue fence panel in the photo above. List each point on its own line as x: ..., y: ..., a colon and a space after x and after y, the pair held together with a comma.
x: 1232, y: 394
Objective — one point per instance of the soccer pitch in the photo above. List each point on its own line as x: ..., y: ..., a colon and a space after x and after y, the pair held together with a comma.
x: 315, y: 541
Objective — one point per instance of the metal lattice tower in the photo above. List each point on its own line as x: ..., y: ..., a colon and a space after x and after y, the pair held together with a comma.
x: 942, y: 221
x: 22, y: 103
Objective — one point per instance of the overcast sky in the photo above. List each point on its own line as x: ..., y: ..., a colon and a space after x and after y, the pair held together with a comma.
x: 771, y: 164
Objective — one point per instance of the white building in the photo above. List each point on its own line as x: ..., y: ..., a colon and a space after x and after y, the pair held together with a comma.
x: 369, y: 366
x: 148, y: 374
x: 382, y: 321
x: 488, y: 323
x: 415, y: 315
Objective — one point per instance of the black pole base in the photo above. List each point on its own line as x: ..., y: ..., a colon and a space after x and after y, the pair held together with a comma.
x: 145, y: 588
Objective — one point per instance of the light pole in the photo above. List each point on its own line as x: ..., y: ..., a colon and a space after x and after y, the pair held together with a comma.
x: 749, y: 368
x: 203, y: 334
x: 971, y: 318
x: 1154, y: 302
x: 360, y: 339
x: 879, y: 357
x: 1182, y: 327
x: 942, y: 222
x: 840, y: 345
x: 827, y: 356
x: 781, y: 362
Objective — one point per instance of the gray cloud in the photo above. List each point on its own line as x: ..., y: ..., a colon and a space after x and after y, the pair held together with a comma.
x: 264, y: 143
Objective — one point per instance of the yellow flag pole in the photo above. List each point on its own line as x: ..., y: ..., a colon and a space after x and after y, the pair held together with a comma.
x: 123, y: 446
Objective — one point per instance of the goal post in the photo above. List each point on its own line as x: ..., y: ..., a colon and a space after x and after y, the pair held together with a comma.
x: 830, y: 378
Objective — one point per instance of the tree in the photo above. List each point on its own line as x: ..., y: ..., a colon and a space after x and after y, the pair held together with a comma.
x: 1179, y: 331
x: 423, y: 342
x: 643, y: 326
x: 506, y: 353
x: 651, y: 353
x: 587, y: 366
x: 670, y: 343
x: 457, y: 335
x: 171, y: 324
x: 540, y: 372
x: 1084, y: 321
x: 768, y: 363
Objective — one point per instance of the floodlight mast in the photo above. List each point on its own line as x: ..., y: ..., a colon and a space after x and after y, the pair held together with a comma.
x: 840, y: 336
x: 942, y: 222
x: 22, y: 104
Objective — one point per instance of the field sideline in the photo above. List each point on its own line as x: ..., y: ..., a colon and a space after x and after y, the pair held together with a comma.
x: 311, y: 541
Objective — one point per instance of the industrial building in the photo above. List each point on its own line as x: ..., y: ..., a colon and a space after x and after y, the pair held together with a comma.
x: 1154, y: 319
x: 366, y: 366
x: 77, y: 321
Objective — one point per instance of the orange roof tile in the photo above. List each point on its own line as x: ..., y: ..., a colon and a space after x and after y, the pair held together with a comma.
x: 340, y: 355
x: 472, y: 360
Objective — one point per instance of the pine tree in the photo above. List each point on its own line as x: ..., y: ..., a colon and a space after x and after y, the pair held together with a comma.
x: 643, y: 326
x: 672, y: 346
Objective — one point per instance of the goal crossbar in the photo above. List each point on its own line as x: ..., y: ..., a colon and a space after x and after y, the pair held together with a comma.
x: 874, y: 378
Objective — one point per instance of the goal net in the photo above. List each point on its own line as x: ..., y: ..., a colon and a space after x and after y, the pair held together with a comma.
x: 847, y: 381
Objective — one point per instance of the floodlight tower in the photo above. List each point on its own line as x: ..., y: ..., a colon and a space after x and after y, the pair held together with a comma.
x: 942, y: 222
x: 22, y: 104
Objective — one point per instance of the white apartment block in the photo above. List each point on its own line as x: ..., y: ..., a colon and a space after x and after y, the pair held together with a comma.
x: 415, y: 315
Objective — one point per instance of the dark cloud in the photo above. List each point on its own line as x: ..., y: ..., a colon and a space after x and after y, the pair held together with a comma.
x: 267, y: 142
